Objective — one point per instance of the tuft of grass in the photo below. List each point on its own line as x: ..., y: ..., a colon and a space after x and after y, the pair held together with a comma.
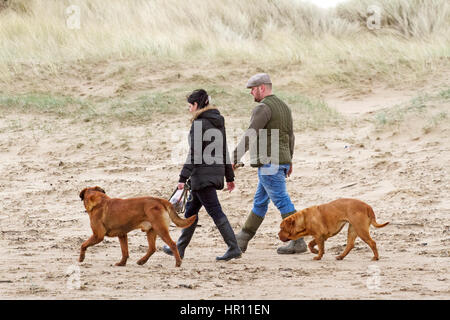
x: 145, y: 107
x: 43, y: 103
x: 435, y: 121
x: 148, y: 106
x: 445, y: 94
x: 419, y: 109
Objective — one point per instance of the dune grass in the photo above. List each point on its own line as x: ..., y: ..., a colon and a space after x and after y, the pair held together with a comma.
x: 328, y: 46
x: 42, y: 103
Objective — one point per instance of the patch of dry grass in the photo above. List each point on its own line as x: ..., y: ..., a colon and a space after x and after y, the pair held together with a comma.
x: 328, y: 46
x: 427, y: 111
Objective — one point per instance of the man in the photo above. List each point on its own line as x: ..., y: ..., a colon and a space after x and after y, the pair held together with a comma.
x: 270, y: 138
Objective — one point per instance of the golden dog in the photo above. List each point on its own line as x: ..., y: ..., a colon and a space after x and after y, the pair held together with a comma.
x: 326, y: 220
x: 116, y: 217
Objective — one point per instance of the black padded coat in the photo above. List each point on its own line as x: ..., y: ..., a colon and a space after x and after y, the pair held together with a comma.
x: 208, y: 161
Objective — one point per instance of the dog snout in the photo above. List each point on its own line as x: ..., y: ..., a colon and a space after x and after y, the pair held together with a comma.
x: 82, y: 194
x: 283, y: 237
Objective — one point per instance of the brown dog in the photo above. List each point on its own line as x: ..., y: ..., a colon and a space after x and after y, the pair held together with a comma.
x: 116, y: 217
x: 326, y: 220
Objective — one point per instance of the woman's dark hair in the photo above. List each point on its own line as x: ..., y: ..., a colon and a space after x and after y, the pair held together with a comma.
x: 200, y: 96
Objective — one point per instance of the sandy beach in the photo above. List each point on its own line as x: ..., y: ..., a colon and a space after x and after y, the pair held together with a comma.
x: 402, y: 172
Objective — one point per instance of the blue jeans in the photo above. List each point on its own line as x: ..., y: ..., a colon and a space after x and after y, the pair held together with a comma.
x: 272, y: 186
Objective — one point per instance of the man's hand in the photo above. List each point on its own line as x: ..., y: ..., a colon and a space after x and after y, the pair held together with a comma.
x: 180, y: 185
x: 289, y: 171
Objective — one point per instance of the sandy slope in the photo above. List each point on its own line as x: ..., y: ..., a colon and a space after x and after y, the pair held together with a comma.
x: 45, y: 162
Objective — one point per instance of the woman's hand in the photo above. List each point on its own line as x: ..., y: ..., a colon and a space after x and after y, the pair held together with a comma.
x: 230, y: 186
x: 180, y: 185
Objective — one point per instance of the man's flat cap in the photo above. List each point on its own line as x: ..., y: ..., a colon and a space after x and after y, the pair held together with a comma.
x: 258, y: 79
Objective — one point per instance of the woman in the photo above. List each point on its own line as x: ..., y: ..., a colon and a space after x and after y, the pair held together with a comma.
x: 207, y: 164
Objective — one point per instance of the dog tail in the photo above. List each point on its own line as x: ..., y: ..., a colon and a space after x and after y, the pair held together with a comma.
x: 375, y: 224
x: 179, y: 222
x: 373, y: 221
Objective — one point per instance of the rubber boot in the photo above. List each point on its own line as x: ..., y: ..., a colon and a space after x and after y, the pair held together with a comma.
x: 248, y: 231
x: 230, y: 239
x: 294, y: 246
x: 183, y: 240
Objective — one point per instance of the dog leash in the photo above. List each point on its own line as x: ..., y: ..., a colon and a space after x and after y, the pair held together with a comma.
x: 186, y: 196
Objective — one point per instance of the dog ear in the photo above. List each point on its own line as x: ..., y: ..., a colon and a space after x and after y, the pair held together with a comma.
x: 99, y: 190
x: 286, y: 224
x: 290, y: 224
x: 82, y: 194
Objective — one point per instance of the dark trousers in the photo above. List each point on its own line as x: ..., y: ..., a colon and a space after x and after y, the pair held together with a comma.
x: 207, y: 198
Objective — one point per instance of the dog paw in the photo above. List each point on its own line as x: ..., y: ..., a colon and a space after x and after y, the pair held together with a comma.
x: 141, y: 262
x: 317, y: 258
x: 339, y: 258
x: 374, y: 259
x: 120, y: 264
